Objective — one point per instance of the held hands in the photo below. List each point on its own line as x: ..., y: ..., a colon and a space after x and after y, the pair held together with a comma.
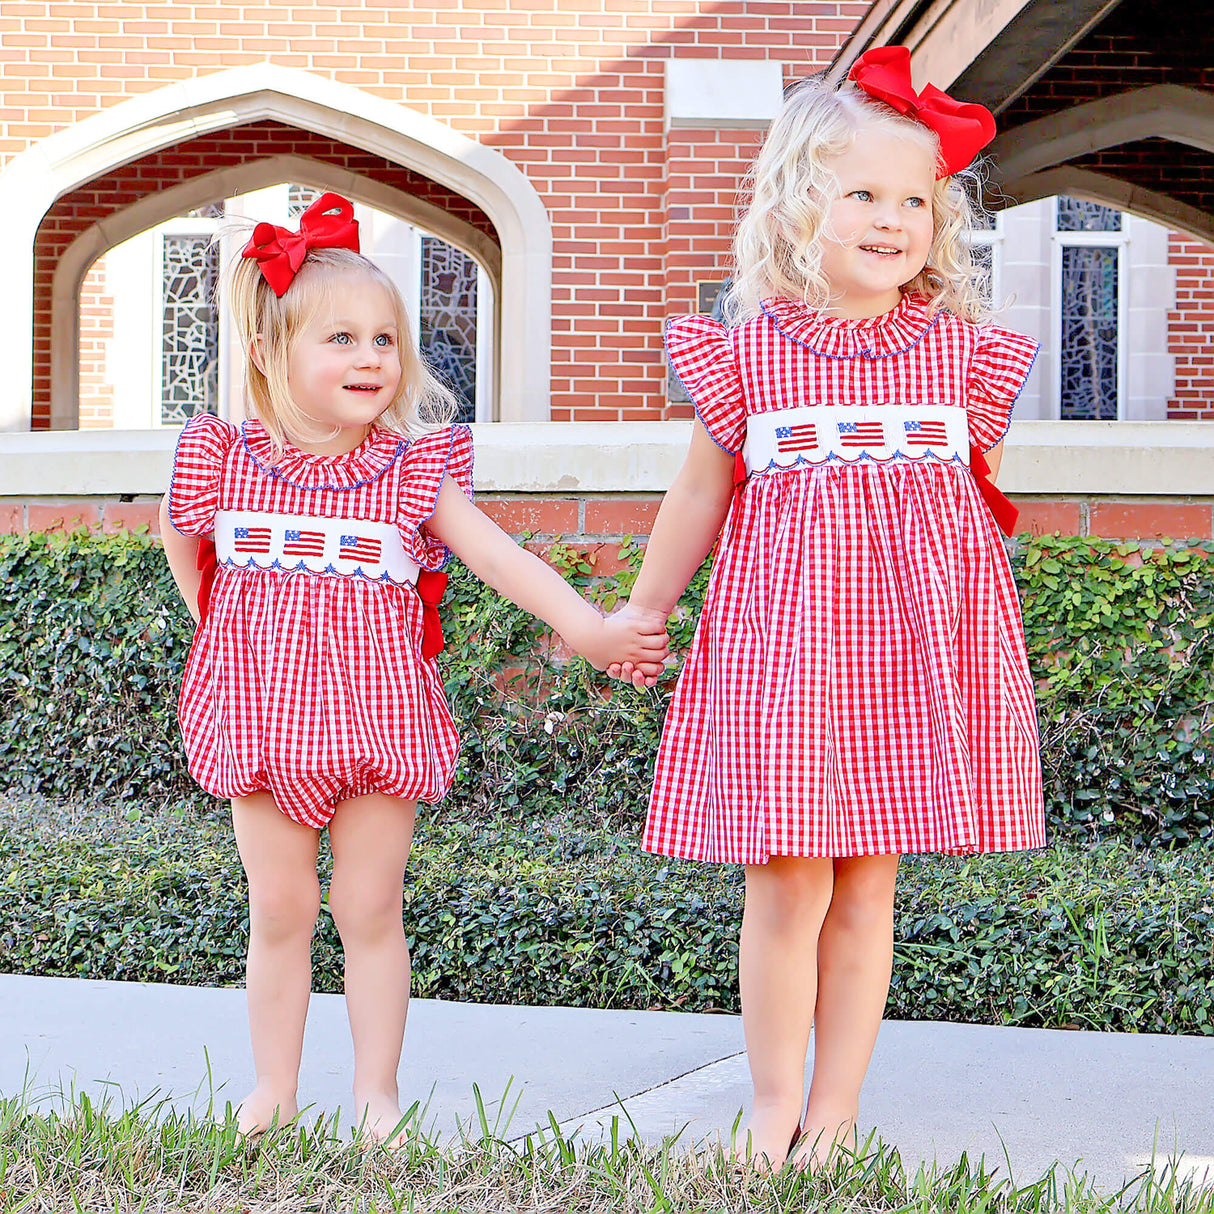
x: 631, y: 640
x: 649, y: 622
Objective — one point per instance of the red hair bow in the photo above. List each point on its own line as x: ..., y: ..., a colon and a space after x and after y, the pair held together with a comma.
x: 964, y: 129
x: 281, y: 252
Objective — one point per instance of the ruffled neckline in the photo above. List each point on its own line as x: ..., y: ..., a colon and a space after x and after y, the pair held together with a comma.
x: 365, y: 463
x: 893, y: 332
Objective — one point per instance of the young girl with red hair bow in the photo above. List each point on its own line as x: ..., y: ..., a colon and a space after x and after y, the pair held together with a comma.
x: 858, y: 686
x: 311, y: 697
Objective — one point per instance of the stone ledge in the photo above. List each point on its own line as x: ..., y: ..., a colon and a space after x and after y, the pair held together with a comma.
x: 1155, y: 459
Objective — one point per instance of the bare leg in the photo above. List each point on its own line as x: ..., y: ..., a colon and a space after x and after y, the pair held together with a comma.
x: 855, y: 955
x: 279, y: 858
x: 371, y: 837
x: 786, y: 900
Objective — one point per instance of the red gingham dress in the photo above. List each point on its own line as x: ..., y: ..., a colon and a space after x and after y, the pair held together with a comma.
x: 858, y: 683
x: 307, y: 685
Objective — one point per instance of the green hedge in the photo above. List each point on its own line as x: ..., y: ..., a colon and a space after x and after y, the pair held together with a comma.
x: 553, y: 913
x: 93, y: 640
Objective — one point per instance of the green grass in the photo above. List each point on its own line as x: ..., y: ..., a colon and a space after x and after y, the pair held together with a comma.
x: 172, y: 874
x: 147, y: 1158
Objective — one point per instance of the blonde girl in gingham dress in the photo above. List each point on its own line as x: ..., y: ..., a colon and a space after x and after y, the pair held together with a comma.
x: 858, y: 686
x: 311, y: 697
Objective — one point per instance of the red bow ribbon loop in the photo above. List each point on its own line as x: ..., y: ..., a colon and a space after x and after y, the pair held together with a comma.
x: 430, y: 586
x: 281, y: 252
x: 1004, y: 513
x: 207, y: 564
x: 964, y: 128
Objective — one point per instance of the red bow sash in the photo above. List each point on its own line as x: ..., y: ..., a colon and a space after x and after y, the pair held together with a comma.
x: 1005, y: 514
x: 206, y: 563
x: 281, y: 252
x: 964, y: 129
x: 740, y: 475
x: 430, y: 586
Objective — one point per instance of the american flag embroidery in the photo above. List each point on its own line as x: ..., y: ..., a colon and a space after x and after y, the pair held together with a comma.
x: 926, y: 434
x: 252, y: 539
x: 790, y: 439
x: 861, y: 434
x: 359, y: 548
x: 304, y: 543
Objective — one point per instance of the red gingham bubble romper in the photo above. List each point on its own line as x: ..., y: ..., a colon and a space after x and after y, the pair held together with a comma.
x: 858, y: 683
x: 312, y: 686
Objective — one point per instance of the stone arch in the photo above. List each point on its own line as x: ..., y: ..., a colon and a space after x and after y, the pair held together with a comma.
x: 1031, y: 159
x: 66, y: 160
x: 1113, y: 192
x: 152, y: 209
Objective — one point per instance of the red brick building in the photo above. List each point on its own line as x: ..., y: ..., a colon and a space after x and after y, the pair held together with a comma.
x: 587, y: 158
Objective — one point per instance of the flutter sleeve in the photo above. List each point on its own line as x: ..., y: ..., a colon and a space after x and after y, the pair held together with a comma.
x: 445, y: 452
x: 202, y: 447
x: 997, y: 374
x: 703, y: 358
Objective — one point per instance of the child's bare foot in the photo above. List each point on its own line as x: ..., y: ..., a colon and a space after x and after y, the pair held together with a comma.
x: 262, y: 1108
x: 378, y: 1116
x: 765, y: 1142
x: 818, y: 1146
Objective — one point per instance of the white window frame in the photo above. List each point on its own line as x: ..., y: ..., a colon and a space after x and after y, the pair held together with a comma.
x: 1104, y: 240
x: 994, y: 238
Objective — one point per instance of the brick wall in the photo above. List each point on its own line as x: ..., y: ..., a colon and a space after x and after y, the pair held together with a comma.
x: 597, y: 523
x: 1191, y: 329
x: 571, y: 91
x: 705, y: 171
x: 96, y: 329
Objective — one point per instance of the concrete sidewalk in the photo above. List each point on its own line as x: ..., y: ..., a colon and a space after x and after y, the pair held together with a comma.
x: 1100, y: 1103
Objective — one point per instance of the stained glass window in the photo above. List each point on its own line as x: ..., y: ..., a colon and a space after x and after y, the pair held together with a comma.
x: 189, y: 361
x: 448, y: 319
x: 983, y: 253
x: 1089, y: 333
x: 1076, y: 215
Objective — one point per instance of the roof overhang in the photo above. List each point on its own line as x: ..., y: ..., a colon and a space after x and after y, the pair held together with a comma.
x: 987, y: 50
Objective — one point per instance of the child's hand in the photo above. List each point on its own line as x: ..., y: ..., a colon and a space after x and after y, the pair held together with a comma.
x: 644, y: 673
x: 636, y: 638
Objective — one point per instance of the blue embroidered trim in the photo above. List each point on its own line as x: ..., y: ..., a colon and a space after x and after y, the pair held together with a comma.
x: 1012, y: 406
x: 690, y: 394
x: 276, y: 566
x: 401, y: 445
x: 422, y: 522
x: 866, y: 353
x: 177, y: 452
x: 801, y: 463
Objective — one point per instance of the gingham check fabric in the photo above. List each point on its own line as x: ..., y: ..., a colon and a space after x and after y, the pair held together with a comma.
x: 306, y: 685
x: 858, y: 683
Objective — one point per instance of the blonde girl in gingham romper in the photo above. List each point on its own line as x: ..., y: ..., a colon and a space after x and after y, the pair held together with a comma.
x: 311, y: 697
x: 858, y: 686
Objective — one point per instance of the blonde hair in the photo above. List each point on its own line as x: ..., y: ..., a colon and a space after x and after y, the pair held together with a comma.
x: 421, y: 402
x: 777, y: 248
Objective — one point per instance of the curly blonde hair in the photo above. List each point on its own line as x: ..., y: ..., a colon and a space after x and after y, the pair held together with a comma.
x: 777, y: 248
x: 421, y: 402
